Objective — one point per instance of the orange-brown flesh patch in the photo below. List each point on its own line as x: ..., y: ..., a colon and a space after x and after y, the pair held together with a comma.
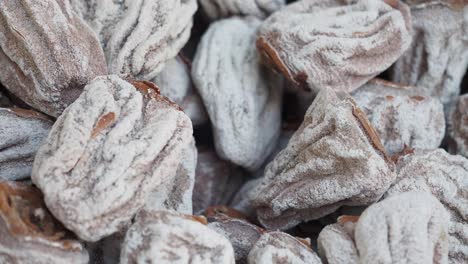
x: 18, y: 203
x: 386, y: 83
x: 224, y: 211
x: 347, y: 218
x: 370, y: 132
x: 104, y: 122
x: 27, y: 113
x: 406, y: 151
x: 418, y: 97
x: 272, y: 58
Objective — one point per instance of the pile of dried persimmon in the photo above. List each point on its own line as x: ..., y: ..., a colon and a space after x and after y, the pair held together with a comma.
x: 233, y: 131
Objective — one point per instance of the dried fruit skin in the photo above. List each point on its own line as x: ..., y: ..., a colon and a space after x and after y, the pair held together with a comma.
x: 175, y: 194
x: 139, y: 36
x: 22, y: 133
x: 175, y: 82
x: 29, y: 233
x: 408, y: 228
x: 95, y: 185
x: 216, y: 181
x: 335, y: 158
x: 459, y: 125
x: 446, y: 177
x: 438, y: 57
x: 402, y: 120
x: 336, y: 244
x: 279, y: 247
x: 345, y: 44
x: 240, y: 233
x: 242, y: 98
x: 216, y: 9
x: 47, y: 53
x: 167, y: 237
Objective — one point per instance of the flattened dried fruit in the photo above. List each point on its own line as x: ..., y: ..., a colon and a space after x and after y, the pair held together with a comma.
x: 446, y: 177
x: 29, y: 233
x: 107, y: 152
x: 240, y: 233
x: 336, y: 242
x: 139, y: 36
x: 47, y: 53
x: 459, y: 125
x: 22, y: 132
x: 216, y: 181
x: 408, y: 228
x: 176, y: 193
x: 243, y: 99
x: 175, y: 82
x: 279, y: 247
x: 345, y: 44
x: 335, y: 158
x: 438, y: 57
x: 400, y: 120
x: 216, y: 9
x: 165, y: 237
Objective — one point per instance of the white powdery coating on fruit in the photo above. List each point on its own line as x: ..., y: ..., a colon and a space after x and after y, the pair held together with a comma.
x: 176, y: 193
x: 216, y: 181
x: 279, y: 247
x: 330, y: 161
x: 175, y: 82
x: 438, y: 57
x: 402, y: 120
x: 336, y: 244
x: 216, y: 9
x: 446, y: 177
x: 47, y: 53
x: 139, y: 36
x: 20, y: 138
x: 459, y: 125
x: 408, y: 228
x: 336, y: 44
x: 166, y: 237
x: 95, y: 182
x: 242, y: 98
